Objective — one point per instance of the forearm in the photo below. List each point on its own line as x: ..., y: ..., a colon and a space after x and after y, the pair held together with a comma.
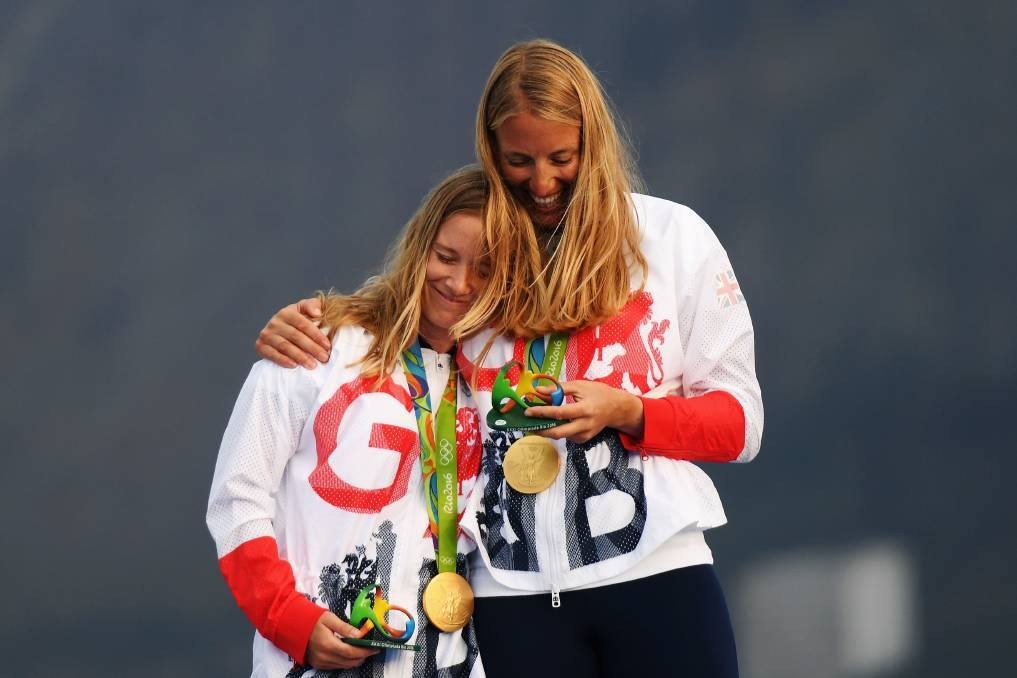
x: 258, y: 443
x: 263, y: 585
x: 630, y: 416
x: 710, y: 427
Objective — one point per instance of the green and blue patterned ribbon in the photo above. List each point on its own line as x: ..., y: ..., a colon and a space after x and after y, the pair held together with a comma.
x: 437, y: 454
x: 549, y: 361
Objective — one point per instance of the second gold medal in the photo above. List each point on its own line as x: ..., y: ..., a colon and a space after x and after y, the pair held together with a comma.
x: 448, y: 601
x: 531, y: 464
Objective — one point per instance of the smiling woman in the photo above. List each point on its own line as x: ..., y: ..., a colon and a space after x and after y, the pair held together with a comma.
x: 434, y: 274
x: 309, y: 507
x: 457, y: 269
x: 539, y: 160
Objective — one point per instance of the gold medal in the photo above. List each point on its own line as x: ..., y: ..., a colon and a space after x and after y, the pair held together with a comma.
x: 448, y: 601
x: 531, y: 464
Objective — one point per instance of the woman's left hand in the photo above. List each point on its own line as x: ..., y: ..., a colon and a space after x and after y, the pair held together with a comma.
x: 594, y: 407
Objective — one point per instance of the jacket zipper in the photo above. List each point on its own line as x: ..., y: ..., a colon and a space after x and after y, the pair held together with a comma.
x: 552, y: 513
x: 552, y: 545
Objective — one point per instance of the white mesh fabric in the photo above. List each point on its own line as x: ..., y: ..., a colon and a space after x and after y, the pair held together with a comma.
x: 716, y: 330
x: 260, y: 438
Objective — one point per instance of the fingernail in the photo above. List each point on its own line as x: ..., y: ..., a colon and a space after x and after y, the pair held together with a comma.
x: 309, y: 364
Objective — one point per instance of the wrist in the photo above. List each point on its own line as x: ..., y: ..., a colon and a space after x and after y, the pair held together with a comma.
x: 631, y: 419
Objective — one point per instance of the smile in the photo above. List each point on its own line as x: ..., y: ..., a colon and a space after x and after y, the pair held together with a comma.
x: 549, y: 201
x: 454, y: 301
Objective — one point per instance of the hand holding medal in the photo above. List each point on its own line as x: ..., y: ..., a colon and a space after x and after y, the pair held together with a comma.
x: 531, y: 464
x: 509, y: 402
x: 594, y: 407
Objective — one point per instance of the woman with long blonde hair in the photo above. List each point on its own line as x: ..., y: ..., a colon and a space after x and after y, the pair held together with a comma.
x: 327, y: 483
x: 605, y: 570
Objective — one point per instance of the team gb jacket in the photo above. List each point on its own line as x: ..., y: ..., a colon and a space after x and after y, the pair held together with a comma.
x: 617, y: 499
x: 317, y: 493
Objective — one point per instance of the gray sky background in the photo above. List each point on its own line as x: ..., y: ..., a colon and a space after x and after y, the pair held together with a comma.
x: 171, y: 174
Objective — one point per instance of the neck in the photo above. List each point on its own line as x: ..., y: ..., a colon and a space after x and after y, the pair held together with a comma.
x: 438, y: 342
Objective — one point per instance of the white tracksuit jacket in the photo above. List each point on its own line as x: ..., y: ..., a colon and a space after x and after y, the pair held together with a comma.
x: 611, y: 507
x: 317, y: 493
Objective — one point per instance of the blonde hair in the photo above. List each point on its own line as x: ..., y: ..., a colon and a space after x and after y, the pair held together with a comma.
x: 586, y: 279
x: 388, y: 305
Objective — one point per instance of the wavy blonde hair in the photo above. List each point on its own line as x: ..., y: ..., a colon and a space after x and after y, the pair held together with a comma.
x: 388, y: 305
x: 586, y: 279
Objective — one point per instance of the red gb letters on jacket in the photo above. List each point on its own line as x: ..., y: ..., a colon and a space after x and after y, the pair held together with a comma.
x: 399, y: 439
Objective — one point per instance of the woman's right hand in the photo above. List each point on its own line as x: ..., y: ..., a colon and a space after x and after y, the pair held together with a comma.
x: 327, y: 652
x: 293, y: 337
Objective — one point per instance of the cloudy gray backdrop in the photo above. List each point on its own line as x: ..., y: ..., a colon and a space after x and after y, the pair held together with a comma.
x: 172, y: 173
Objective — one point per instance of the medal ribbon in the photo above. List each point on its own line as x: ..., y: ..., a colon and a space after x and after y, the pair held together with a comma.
x: 437, y: 454
x: 550, y: 361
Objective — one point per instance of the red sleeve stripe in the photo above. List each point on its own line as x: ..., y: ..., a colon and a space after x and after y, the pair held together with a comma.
x: 710, y: 427
x: 263, y: 585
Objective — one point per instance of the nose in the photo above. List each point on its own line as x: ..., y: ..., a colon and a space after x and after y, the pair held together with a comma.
x: 462, y: 281
x: 543, y: 181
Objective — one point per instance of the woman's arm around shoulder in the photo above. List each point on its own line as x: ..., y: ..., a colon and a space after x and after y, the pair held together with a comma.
x: 293, y: 336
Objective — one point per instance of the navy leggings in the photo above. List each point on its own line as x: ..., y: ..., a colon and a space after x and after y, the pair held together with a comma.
x: 671, y: 624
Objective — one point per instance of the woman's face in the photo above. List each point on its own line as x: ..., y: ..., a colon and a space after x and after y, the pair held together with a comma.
x: 456, y: 274
x: 539, y: 161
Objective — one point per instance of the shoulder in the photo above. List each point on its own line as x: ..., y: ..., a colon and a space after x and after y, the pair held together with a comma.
x: 673, y: 226
x: 349, y: 344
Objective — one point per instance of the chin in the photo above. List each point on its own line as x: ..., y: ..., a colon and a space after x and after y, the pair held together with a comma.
x: 547, y: 222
